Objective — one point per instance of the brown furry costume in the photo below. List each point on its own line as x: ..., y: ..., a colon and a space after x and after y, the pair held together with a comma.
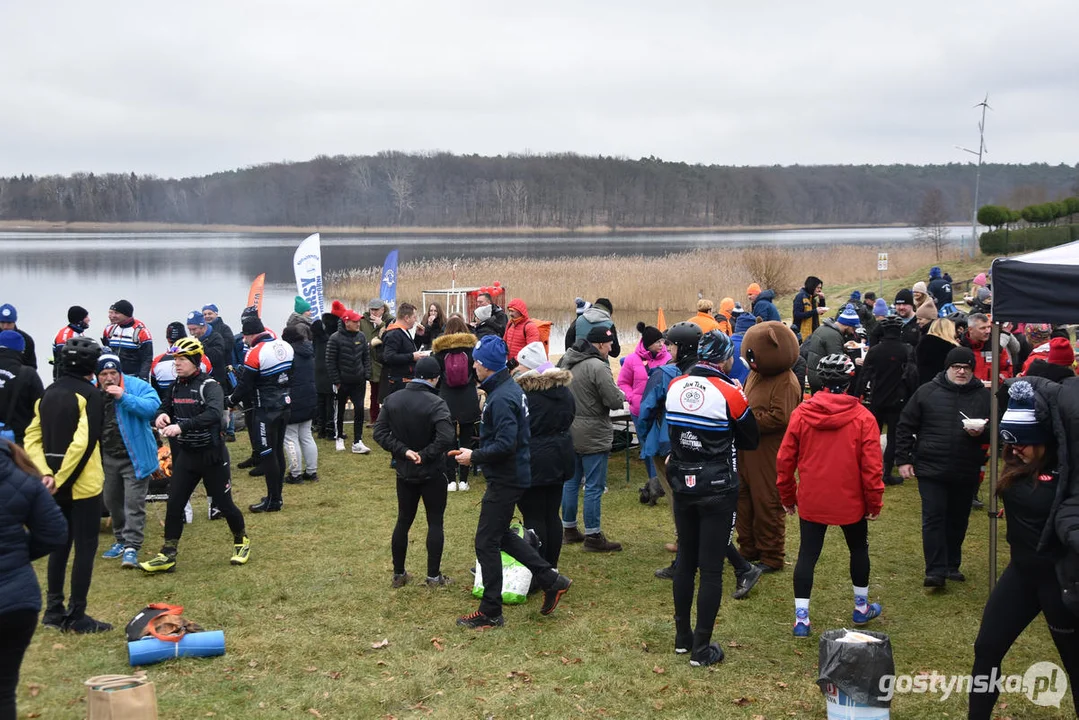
x: 771, y: 350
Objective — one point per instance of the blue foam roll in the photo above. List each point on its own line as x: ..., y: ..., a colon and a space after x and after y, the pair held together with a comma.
x: 148, y: 651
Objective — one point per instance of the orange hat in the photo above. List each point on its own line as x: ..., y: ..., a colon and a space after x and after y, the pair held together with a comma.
x: 726, y: 305
x: 753, y: 289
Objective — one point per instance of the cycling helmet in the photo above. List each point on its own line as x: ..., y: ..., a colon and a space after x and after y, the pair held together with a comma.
x: 81, y: 354
x: 715, y: 348
x: 186, y: 347
x: 685, y: 336
x: 835, y: 370
x: 892, y: 322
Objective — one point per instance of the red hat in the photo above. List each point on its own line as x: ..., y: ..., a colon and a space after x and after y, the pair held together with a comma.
x: 1060, y: 352
x: 351, y: 316
x: 338, y: 308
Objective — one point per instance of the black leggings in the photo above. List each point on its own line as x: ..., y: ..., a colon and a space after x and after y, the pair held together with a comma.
x: 271, y: 448
x: 465, y: 433
x: 16, y: 630
x: 1023, y: 591
x: 539, y: 507
x: 705, y: 525
x: 211, y: 466
x: 433, y: 493
x: 889, y: 417
x: 355, y: 393
x: 812, y: 542
x: 83, y: 522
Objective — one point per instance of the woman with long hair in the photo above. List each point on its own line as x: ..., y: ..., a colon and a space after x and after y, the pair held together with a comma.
x: 457, y: 386
x: 430, y: 326
x: 1030, y: 486
x: 933, y: 348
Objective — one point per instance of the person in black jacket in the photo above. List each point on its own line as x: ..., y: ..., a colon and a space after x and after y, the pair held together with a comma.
x: 8, y: 321
x: 489, y: 322
x: 503, y: 455
x: 31, y: 526
x: 454, y: 348
x: 414, y: 426
x: 1032, y: 487
x: 213, y: 346
x: 20, y: 386
x: 890, y: 376
x: 300, y: 446
x: 399, y: 351
x: 325, y: 424
x: 947, y: 459
x: 348, y: 365
x: 904, y: 309
x: 932, y: 350
x: 551, y: 409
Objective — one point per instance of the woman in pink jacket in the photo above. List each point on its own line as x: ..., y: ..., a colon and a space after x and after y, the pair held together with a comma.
x: 632, y: 378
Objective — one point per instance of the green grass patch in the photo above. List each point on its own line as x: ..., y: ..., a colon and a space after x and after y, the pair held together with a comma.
x: 301, y: 618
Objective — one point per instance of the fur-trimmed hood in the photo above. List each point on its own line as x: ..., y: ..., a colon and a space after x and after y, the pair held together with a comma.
x: 455, y: 341
x: 533, y: 381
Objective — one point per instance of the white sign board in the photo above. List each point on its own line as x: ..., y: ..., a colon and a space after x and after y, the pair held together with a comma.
x: 882, y: 262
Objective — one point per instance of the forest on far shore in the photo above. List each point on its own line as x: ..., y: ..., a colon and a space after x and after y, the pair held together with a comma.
x: 539, y: 191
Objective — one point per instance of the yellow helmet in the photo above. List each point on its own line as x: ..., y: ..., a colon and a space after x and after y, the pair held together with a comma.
x: 186, y: 347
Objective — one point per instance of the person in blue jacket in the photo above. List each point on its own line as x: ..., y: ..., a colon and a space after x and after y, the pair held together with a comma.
x: 762, y: 303
x: 740, y: 369
x: 128, y: 455
x: 31, y: 526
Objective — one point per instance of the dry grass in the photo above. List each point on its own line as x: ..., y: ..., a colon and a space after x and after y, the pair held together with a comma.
x: 638, y: 283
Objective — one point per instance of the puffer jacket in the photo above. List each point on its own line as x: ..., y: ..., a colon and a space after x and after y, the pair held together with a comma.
x: 828, y: 339
x: 135, y: 409
x: 930, y: 434
x: 596, y: 394
x: 1064, y: 518
x: 302, y: 323
x: 551, y: 410
x: 594, y: 316
x: 320, y: 336
x: 302, y: 395
x: 520, y: 331
x: 348, y: 358
x: 764, y: 307
x: 504, y: 454
x: 633, y: 377
x: 398, y: 360
x: 31, y: 526
x: 464, y: 401
x: 931, y: 353
x: 416, y: 419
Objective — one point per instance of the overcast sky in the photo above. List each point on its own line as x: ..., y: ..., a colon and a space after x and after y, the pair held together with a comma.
x: 182, y: 88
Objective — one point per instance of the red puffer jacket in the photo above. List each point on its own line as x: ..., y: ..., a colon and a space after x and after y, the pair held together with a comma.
x: 834, y: 444
x: 519, y: 332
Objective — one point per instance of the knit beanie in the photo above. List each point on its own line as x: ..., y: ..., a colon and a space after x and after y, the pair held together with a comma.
x: 1020, y: 426
x: 108, y: 361
x: 980, y: 279
x: 9, y: 314
x: 935, y: 272
x: 76, y: 314
x: 252, y: 325
x: 12, y: 340
x: 856, y: 296
x: 959, y: 356
x: 726, y: 305
x: 604, y: 303
x: 880, y: 308
x: 210, y: 306
x: 483, y: 312
x: 532, y: 356
x: 491, y: 353
x: 904, y: 297
x: 300, y: 305
x: 599, y: 334
x: 582, y: 305
x: 249, y: 311
x: 195, y: 318
x: 928, y: 311
x: 744, y: 322
x: 1038, y: 333
x: 849, y: 317
x: 649, y: 334
x: 920, y: 287
x: 175, y: 331
x: 1060, y: 352
x: 123, y: 307
x: 753, y: 289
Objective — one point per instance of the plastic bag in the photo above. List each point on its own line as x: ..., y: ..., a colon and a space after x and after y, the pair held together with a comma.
x: 856, y: 667
x: 516, y: 578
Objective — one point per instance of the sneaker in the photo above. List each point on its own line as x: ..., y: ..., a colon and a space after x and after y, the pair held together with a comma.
x: 440, y: 581
x: 571, y: 535
x: 214, y: 513
x: 294, y: 480
x: 241, y: 552
x: 400, y: 580
x: 801, y: 622
x: 113, y: 552
x: 861, y: 618
x: 159, y: 563
x: 766, y: 568
x: 452, y: 487
x: 359, y: 448
x: 709, y: 655
x: 130, y: 558
x: 683, y: 643
x: 311, y: 476
x: 956, y: 576
x: 479, y: 621
x: 933, y: 581
x: 746, y: 581
x: 230, y: 437
x: 553, y: 594
x: 256, y: 472
x: 266, y: 505
x: 55, y: 619
x: 248, y: 463
x: 462, y: 486
x: 977, y: 504
x: 666, y: 573
x: 86, y: 625
x: 339, y: 444
x: 598, y: 542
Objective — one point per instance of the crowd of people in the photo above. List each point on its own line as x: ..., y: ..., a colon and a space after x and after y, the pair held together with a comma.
x: 742, y: 420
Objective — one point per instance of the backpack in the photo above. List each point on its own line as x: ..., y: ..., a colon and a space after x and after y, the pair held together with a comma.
x: 457, y: 368
x: 544, y: 329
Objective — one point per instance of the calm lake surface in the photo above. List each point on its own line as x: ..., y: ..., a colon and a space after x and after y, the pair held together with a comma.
x: 166, y: 275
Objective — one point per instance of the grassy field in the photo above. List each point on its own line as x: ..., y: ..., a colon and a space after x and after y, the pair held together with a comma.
x: 303, y: 619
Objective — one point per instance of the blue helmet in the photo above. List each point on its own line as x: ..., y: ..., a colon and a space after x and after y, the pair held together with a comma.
x: 715, y: 348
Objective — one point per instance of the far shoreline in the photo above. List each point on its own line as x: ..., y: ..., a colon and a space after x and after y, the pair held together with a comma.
x: 44, y: 226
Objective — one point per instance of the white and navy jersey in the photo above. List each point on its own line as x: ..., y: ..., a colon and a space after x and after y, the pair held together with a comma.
x: 163, y: 371
x: 133, y: 345
x: 264, y: 382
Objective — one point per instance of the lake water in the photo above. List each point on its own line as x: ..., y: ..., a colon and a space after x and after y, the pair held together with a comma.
x: 165, y: 275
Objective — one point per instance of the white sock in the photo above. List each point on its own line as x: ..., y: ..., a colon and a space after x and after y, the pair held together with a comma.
x: 801, y: 610
x: 861, y: 598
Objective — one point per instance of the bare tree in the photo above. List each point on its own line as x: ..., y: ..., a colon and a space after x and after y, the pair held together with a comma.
x: 399, y: 180
x: 931, y: 226
x: 519, y: 195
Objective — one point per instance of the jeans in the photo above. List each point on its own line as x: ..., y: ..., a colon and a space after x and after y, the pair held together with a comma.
x: 705, y: 526
x: 231, y: 428
x: 299, y: 440
x: 434, y: 494
x: 493, y: 535
x: 945, y: 515
x: 592, y: 469
x: 649, y: 464
x: 125, y: 499
x: 16, y: 630
x: 83, y: 520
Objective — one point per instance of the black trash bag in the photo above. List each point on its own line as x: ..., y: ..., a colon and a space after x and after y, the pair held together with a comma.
x: 856, y: 668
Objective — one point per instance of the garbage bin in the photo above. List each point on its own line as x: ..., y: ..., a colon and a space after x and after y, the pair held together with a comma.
x: 851, y: 666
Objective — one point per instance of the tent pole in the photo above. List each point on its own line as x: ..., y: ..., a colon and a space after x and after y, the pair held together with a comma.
x: 994, y: 449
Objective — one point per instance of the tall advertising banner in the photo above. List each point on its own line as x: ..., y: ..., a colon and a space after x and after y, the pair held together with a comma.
x: 388, y: 290
x: 307, y: 264
x: 254, y: 295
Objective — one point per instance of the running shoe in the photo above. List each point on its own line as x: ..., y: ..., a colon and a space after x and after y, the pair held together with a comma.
x: 359, y: 448
x: 241, y: 552
x: 159, y: 563
x: 553, y: 594
x: 130, y: 559
x: 117, y: 550
x: 479, y: 621
x: 86, y: 625
x: 339, y: 444
x: 861, y: 618
x: 709, y: 655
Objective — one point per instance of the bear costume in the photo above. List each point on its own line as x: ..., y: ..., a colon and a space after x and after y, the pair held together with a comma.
x: 770, y: 349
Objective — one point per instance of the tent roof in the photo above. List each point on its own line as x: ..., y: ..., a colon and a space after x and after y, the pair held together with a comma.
x: 1041, y: 286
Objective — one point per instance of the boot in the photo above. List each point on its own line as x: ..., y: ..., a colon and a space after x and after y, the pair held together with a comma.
x: 266, y: 505
x: 571, y: 535
x: 79, y: 622
x: 598, y: 542
x: 683, y: 636
x: 54, y: 611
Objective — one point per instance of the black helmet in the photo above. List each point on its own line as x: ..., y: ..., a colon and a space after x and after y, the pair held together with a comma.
x: 892, y: 322
x: 685, y: 336
x: 715, y: 347
x: 80, y: 354
x: 835, y: 370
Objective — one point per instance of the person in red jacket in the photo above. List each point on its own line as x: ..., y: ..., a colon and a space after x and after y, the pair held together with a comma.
x: 520, y: 331
x: 835, y: 486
